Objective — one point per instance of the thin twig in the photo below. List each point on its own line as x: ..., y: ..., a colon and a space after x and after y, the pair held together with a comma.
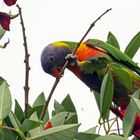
x: 113, y: 123
x: 67, y: 62
x: 99, y: 129
x: 7, y: 127
x: 118, y: 128
x: 26, y: 61
x: 107, y: 121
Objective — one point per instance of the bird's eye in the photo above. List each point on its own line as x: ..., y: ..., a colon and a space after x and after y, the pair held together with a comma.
x: 52, y: 59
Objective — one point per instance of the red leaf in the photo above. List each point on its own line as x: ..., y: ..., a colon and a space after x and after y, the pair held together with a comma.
x: 48, y: 125
x: 10, y: 2
x: 5, y: 21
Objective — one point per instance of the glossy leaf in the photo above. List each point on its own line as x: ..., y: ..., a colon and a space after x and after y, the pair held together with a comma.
x: 5, y: 100
x: 68, y: 104
x: 133, y: 46
x: 36, y: 131
x: 136, y: 103
x: 97, y: 98
x: 40, y: 100
x: 14, y: 121
x: 123, y: 75
x: 63, y: 132
x: 91, y: 130
x: 37, y: 109
x: 2, y: 32
x: 6, y: 134
x: 1, y: 80
x: 106, y: 94
x: 62, y: 118
x: 58, y: 107
x: 86, y: 136
x: 111, y: 39
x: 111, y: 137
x: 46, y: 118
x: 29, y: 125
x: 136, y: 94
x: 69, y: 107
x: 129, y: 120
x: 18, y: 111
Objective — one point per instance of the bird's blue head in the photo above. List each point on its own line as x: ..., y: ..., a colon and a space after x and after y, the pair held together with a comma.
x: 53, y: 57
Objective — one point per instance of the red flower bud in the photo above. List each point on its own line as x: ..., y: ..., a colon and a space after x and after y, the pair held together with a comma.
x: 48, y: 125
x: 4, y: 20
x: 10, y: 2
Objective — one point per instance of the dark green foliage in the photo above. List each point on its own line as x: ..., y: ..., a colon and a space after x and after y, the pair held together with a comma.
x: 69, y: 106
x: 133, y: 46
x: 129, y: 120
x: 2, y: 32
x: 106, y: 95
x: 111, y: 39
x: 7, y: 135
x: 86, y: 136
x: 19, y: 112
x: 122, y: 74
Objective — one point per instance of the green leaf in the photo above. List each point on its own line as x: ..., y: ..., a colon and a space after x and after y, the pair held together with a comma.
x: 62, y: 118
x: 6, y: 134
x: 91, y: 130
x: 37, y: 109
x: 40, y: 100
x: 133, y: 46
x: 29, y: 125
x: 36, y: 131
x: 122, y: 74
x: 97, y: 98
x: 68, y: 104
x: 136, y: 103
x: 5, y: 101
x: 69, y: 107
x: 136, y: 94
x: 63, y: 132
x: 129, y: 120
x: 46, y: 118
x: 14, y: 120
x: 19, y: 112
x: 2, y: 32
x: 111, y: 137
x: 111, y: 39
x: 1, y: 80
x: 86, y: 136
x: 106, y: 95
x: 58, y: 107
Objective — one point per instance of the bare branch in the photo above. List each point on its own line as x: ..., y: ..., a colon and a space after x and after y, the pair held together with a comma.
x: 26, y: 61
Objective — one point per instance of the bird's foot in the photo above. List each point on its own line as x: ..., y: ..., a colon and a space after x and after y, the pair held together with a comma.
x: 72, y: 59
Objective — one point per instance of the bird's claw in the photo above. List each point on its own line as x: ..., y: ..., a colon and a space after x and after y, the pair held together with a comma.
x: 72, y: 59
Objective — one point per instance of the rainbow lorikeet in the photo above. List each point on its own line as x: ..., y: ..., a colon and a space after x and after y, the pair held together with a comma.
x: 93, y: 58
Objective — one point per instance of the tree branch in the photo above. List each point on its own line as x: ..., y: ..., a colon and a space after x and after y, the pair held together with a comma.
x: 26, y: 61
x: 66, y: 64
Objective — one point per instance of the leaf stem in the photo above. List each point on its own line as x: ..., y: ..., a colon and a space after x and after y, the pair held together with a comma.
x: 67, y: 62
x: 15, y: 130
x: 26, y: 61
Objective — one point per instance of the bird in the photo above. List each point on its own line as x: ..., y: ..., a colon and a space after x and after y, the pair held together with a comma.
x: 90, y: 63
